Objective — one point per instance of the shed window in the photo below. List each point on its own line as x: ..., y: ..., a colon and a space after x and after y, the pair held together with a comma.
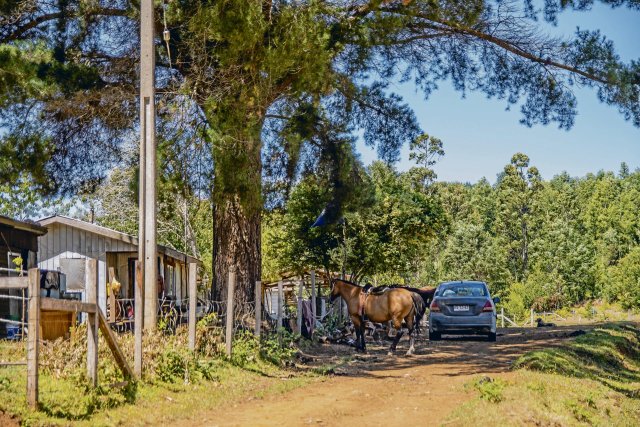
x: 74, y: 269
x: 17, y: 266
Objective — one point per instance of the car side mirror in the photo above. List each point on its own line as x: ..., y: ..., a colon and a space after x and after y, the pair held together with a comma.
x: 496, y: 300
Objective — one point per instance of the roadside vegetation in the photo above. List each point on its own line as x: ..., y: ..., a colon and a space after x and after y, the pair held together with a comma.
x: 176, y: 381
x: 592, y: 380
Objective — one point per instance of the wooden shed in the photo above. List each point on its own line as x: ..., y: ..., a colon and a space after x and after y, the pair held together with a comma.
x: 69, y: 242
x: 18, y: 241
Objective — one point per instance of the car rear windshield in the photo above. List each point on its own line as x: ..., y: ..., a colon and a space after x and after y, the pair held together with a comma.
x: 463, y: 290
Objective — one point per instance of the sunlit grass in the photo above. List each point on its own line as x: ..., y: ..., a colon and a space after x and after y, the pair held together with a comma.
x: 592, y: 380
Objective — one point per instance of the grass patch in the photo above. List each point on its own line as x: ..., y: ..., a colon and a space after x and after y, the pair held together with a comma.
x: 609, y: 355
x: 592, y: 380
x: 178, y: 384
x: 490, y: 389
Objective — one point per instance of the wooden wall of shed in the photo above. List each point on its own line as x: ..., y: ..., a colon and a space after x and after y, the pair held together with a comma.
x: 24, y: 243
x: 63, y: 241
x: 18, y: 240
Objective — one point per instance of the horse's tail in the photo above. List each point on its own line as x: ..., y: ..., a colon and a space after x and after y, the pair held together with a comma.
x: 425, y: 293
x: 420, y: 308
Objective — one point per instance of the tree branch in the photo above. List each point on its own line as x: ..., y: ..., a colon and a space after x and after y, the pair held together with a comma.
x: 18, y: 32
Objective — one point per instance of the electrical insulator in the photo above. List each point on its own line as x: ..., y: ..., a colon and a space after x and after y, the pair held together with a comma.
x: 166, y: 35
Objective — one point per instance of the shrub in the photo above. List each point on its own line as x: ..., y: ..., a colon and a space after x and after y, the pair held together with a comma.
x: 490, y: 389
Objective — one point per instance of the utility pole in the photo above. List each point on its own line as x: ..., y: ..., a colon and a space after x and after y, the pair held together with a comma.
x: 147, y: 248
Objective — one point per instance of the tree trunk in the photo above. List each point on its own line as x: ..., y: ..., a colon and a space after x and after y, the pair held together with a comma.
x: 237, y: 212
x: 237, y: 248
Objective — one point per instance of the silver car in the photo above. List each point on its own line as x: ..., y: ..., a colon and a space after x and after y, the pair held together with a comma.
x: 463, y: 307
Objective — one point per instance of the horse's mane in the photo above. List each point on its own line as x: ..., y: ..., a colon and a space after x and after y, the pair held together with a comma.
x: 348, y: 282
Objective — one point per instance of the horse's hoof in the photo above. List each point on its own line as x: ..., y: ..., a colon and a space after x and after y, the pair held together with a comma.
x: 409, y: 353
x: 390, y: 353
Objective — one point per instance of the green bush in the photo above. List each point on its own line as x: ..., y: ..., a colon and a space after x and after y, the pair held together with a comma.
x: 490, y: 389
x: 248, y: 351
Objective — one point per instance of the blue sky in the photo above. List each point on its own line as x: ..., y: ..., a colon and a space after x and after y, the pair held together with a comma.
x: 480, y: 137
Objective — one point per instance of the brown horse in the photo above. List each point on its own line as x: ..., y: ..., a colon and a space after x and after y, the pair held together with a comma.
x: 396, y: 304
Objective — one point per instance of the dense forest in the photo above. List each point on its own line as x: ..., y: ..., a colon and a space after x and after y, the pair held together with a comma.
x: 541, y: 244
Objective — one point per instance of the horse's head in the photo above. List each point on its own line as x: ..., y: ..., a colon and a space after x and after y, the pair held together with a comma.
x: 335, y: 292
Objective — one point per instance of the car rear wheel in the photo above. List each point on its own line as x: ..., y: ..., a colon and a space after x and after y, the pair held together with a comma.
x: 491, y: 337
x: 435, y: 336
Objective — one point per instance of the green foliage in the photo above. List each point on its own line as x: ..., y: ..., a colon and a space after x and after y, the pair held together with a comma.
x: 249, y: 351
x: 385, y: 230
x: 532, y: 241
x: 623, y: 281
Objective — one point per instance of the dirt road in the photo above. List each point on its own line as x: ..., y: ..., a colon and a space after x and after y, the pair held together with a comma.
x: 376, y: 390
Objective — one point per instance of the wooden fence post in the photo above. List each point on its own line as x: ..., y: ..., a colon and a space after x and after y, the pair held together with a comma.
x: 280, y: 303
x: 532, y: 317
x: 313, y: 296
x: 33, y: 338
x: 502, y: 315
x: 138, y: 321
x: 299, y: 317
x: 258, y: 308
x: 112, y: 296
x: 230, y: 292
x: 91, y: 290
x: 193, y: 300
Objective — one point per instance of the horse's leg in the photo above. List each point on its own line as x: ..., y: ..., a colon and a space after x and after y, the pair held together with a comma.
x: 362, y: 330
x: 412, y: 333
x: 357, y: 324
x: 411, y: 342
x: 397, y: 324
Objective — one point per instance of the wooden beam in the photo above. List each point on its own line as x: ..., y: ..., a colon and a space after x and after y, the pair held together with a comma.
x: 14, y: 282
x: 229, y: 320
x: 280, y: 304
x: 313, y: 296
x: 138, y: 314
x: 193, y: 300
x: 148, y: 169
x: 112, y: 295
x: 299, y: 306
x: 91, y: 293
x: 33, y: 338
x: 51, y: 304
x: 22, y: 363
x: 109, y: 336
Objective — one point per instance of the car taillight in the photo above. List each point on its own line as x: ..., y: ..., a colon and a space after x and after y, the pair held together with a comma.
x: 434, y: 306
x: 487, y: 306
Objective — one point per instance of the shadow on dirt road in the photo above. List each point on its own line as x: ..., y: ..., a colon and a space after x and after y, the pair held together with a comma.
x: 376, y: 389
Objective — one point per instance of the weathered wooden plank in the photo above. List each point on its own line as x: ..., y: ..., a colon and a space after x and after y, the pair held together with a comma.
x: 109, y: 336
x: 33, y: 338
x: 51, y: 304
x: 112, y: 296
x: 138, y: 320
x: 280, y: 304
x: 193, y: 299
x: 91, y: 293
x: 313, y: 295
x: 299, y: 305
x: 229, y: 319
x: 14, y: 282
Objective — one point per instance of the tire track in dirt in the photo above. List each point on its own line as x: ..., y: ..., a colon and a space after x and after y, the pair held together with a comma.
x: 380, y: 390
